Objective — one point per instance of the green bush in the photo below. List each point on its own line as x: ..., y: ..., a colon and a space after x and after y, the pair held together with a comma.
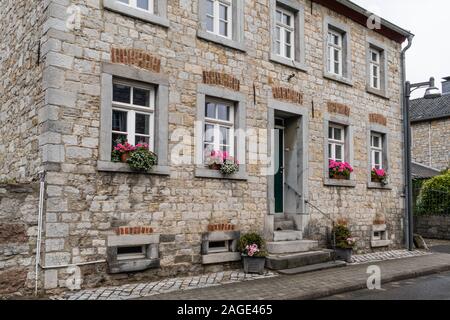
x: 434, y: 197
x: 344, y: 238
x: 250, y: 239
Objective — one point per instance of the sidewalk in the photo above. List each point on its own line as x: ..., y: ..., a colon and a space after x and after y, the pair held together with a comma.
x: 316, y: 284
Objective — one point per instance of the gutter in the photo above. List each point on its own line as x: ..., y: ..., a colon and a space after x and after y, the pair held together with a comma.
x: 407, y: 150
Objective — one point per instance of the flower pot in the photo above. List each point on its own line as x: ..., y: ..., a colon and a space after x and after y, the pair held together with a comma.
x: 254, y: 264
x: 215, y: 166
x: 124, y: 157
x: 344, y: 254
x: 339, y: 177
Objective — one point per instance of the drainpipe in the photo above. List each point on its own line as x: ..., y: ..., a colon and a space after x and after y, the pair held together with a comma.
x: 39, y: 231
x: 405, y: 95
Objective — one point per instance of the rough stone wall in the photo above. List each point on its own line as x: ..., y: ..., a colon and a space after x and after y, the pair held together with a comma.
x: 431, y: 143
x: 20, y: 88
x: 85, y: 205
x: 18, y: 226
x: 432, y: 227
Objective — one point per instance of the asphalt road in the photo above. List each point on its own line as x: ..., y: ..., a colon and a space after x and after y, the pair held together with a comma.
x: 433, y: 287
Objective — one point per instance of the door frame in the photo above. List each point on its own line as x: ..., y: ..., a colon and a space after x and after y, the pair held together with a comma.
x: 281, y: 129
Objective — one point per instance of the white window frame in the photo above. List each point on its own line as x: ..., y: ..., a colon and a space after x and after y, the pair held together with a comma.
x: 283, y: 29
x: 133, y: 4
x: 335, y: 142
x: 217, y: 124
x: 376, y: 149
x: 217, y: 20
x: 375, y: 76
x: 132, y: 109
x: 332, y: 48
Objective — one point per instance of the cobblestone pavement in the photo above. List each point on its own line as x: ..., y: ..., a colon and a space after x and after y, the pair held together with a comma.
x: 316, y: 284
x: 387, y: 255
x: 137, y: 290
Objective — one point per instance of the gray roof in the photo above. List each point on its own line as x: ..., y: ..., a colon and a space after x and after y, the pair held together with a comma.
x: 420, y: 171
x: 429, y: 109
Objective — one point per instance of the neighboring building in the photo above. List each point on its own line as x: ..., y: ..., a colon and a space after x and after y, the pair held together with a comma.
x: 75, y: 75
x: 421, y: 172
x: 430, y: 124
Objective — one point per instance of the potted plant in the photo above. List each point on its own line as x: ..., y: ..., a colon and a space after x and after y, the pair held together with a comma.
x: 122, y: 151
x: 379, y: 175
x: 344, y: 242
x: 339, y: 170
x: 251, y: 246
x: 223, y: 162
x: 138, y: 157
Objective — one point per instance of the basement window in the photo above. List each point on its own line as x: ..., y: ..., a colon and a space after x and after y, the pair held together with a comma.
x: 128, y: 253
x: 218, y: 246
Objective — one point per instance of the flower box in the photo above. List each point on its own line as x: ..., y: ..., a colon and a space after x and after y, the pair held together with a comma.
x: 254, y: 264
x: 339, y: 170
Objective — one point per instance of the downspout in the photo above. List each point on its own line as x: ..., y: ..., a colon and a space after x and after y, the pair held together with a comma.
x: 39, y: 231
x: 407, y: 148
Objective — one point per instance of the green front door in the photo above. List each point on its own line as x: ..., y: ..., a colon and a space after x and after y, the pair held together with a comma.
x: 279, y: 169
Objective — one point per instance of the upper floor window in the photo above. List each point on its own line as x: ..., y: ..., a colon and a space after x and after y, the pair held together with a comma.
x: 376, y: 150
x: 335, y: 52
x: 146, y: 5
x: 336, y: 143
x: 218, y: 127
x: 219, y: 17
x: 284, y: 33
x: 153, y: 11
x: 133, y: 107
x: 375, y: 72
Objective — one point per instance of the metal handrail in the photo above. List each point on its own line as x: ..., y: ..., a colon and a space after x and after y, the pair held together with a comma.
x: 333, y: 242
x: 293, y: 189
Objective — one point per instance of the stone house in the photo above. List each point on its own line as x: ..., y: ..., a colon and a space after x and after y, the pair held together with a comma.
x: 309, y: 81
x: 430, y: 125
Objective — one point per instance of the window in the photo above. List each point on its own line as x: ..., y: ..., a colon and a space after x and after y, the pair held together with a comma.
x: 334, y: 52
x: 218, y: 246
x: 375, y: 60
x: 128, y: 253
x: 153, y: 11
x: 284, y: 33
x: 219, y: 17
x: 218, y: 127
x: 146, y: 5
x: 133, y: 108
x: 376, y: 150
x: 336, y: 143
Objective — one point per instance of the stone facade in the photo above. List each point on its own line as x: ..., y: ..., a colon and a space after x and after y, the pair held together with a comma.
x: 55, y: 126
x: 431, y: 143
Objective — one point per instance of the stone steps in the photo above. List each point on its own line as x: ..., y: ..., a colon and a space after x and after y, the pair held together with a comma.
x: 314, y: 267
x: 284, y: 225
x: 296, y: 260
x: 287, y: 235
x: 297, y: 246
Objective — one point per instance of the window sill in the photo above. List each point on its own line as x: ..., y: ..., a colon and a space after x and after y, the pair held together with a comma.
x: 221, y: 40
x: 289, y: 63
x: 108, y: 166
x: 378, y: 93
x: 215, y: 174
x: 118, y: 7
x: 339, y: 183
x: 339, y: 79
x: 378, y: 185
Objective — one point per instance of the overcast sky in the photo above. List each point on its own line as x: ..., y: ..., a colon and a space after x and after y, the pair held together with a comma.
x: 428, y: 20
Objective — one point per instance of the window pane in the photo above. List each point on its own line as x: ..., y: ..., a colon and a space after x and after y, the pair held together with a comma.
x: 223, y: 12
x: 210, y: 111
x: 121, y: 93
x: 142, y: 123
x: 210, y: 24
x: 141, y: 97
x: 336, y: 55
x: 118, y: 138
x: 119, y: 121
x: 225, y: 149
x: 209, y: 133
x: 277, y: 47
x: 278, y: 33
x: 286, y: 19
x: 208, y: 148
x: 288, y: 51
x: 210, y: 7
x: 288, y: 37
x: 143, y: 4
x: 279, y: 16
x: 374, y: 57
x: 376, y: 141
x: 377, y: 158
x: 223, y: 28
x: 336, y: 40
x: 141, y: 140
x: 330, y: 132
x: 339, y: 156
x: 330, y: 147
x: 223, y: 112
x: 338, y: 134
x: 224, y: 135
